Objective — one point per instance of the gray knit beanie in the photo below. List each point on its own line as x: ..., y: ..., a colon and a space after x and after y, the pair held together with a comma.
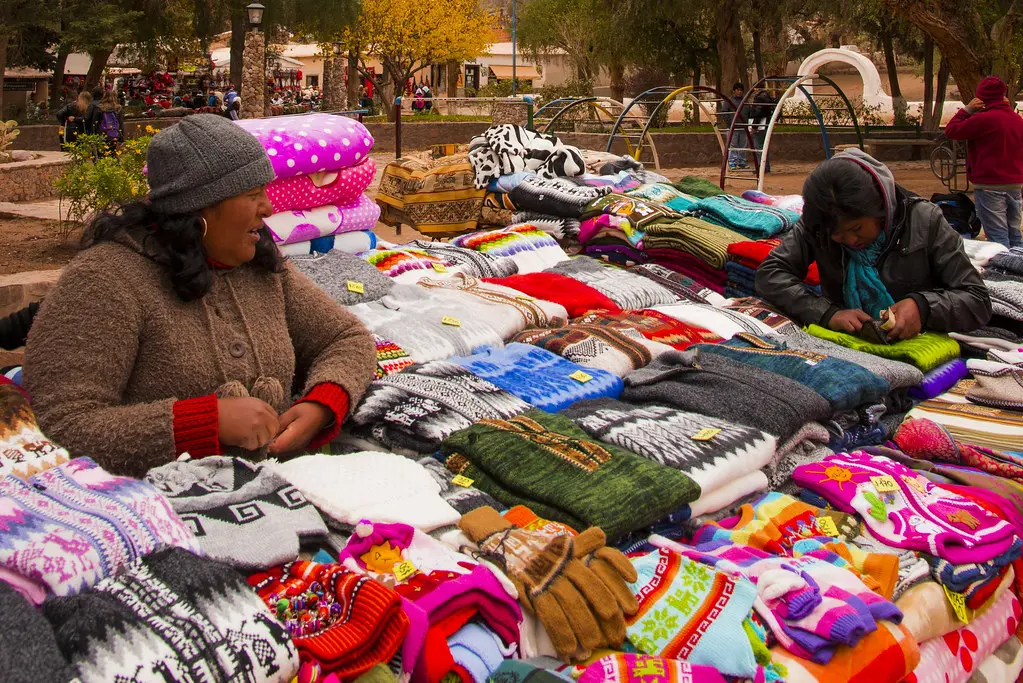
x: 201, y: 161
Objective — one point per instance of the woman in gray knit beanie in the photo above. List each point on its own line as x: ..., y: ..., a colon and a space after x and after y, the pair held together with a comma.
x: 181, y: 329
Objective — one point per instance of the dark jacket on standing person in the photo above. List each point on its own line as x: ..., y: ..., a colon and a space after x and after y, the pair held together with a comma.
x: 82, y: 125
x: 923, y: 260
x: 994, y: 151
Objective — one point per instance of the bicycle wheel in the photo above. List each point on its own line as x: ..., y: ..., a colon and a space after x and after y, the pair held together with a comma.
x: 943, y: 163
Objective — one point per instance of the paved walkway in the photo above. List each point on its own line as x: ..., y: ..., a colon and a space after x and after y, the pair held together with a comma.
x: 46, y: 210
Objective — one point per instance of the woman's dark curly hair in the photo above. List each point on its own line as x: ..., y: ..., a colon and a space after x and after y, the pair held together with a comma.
x: 175, y: 242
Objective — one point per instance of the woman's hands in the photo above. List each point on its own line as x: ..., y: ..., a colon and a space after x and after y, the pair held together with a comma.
x: 299, y: 425
x: 252, y: 424
x: 907, y: 320
x: 848, y: 320
x: 247, y: 423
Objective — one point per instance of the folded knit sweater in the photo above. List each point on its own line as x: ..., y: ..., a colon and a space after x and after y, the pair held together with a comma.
x: 665, y: 435
x: 346, y: 278
x: 550, y: 465
x: 577, y: 298
x: 639, y: 212
x: 468, y: 261
x: 656, y: 327
x: 600, y: 343
x: 683, y: 287
x: 926, y: 351
x: 845, y: 385
x: 554, y: 196
x: 755, y: 221
x: 539, y: 377
x: 626, y: 289
x: 427, y: 402
x: 716, y: 386
x: 702, y: 239
x: 531, y: 248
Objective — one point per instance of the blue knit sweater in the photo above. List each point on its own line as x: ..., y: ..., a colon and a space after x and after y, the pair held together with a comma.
x: 539, y: 377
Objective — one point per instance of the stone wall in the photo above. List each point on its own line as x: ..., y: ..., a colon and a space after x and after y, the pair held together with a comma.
x: 29, y: 181
x: 673, y: 149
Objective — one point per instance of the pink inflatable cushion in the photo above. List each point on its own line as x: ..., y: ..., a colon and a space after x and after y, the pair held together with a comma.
x: 341, y: 187
x: 300, y: 145
x: 302, y: 225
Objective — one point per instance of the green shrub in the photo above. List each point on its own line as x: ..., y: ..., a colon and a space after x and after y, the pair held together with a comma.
x: 99, y: 180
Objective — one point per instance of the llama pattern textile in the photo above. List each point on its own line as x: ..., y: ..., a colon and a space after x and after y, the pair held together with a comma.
x: 71, y: 526
x: 551, y: 466
x: 288, y: 227
x: 539, y: 377
x: 176, y: 617
x: 310, y: 144
x: 242, y: 513
x: 845, y: 385
x: 917, y: 514
x: 428, y: 402
x: 627, y: 290
x: 665, y: 435
x: 329, y: 187
x: 24, y: 450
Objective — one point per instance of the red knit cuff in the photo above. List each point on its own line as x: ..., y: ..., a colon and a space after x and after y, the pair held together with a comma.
x: 195, y: 426
x: 333, y: 397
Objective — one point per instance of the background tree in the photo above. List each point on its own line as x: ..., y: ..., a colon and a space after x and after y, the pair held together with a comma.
x: 977, y: 38
x: 407, y: 36
x: 19, y: 21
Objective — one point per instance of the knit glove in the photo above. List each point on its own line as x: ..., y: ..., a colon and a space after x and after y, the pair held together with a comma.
x: 570, y: 598
x: 616, y: 573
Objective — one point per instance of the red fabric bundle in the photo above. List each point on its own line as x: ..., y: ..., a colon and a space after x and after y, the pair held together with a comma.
x: 577, y: 298
x: 752, y: 254
x: 658, y: 327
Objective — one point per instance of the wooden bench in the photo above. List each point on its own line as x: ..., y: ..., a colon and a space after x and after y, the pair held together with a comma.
x: 873, y: 145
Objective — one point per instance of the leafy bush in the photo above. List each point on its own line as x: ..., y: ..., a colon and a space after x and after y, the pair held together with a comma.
x: 99, y: 179
x: 574, y: 88
x: 8, y: 131
x: 503, y: 88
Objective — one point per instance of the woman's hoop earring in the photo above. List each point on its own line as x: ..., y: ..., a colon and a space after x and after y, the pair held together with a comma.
x: 205, y: 227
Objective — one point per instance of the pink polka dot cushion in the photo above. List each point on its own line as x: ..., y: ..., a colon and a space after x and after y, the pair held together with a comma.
x: 335, y: 187
x: 288, y: 227
x: 300, y: 145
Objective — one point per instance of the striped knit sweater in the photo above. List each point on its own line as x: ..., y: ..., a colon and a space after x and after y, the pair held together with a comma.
x: 705, y: 240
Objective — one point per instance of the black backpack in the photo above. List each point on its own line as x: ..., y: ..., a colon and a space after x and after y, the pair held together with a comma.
x: 959, y: 211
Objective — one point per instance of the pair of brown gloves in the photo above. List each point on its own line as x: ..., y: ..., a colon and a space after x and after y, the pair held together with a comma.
x: 575, y: 586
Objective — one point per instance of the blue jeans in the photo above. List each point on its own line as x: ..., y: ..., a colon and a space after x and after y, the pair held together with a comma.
x: 1000, y: 212
x: 736, y: 158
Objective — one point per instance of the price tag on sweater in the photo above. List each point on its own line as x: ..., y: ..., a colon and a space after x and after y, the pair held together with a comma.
x: 827, y: 526
x: 958, y: 602
x: 439, y: 267
x: 356, y: 287
x: 706, y: 434
x: 448, y: 320
x: 581, y: 377
x: 885, y: 484
x: 462, y: 480
x: 403, y: 571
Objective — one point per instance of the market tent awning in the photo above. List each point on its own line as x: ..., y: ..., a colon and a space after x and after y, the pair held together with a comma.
x: 523, y: 72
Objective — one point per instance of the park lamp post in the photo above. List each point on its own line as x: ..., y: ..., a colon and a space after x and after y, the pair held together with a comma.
x: 254, y: 65
x: 515, y: 80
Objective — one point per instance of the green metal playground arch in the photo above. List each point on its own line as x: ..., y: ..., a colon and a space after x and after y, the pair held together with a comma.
x: 569, y: 103
x: 793, y: 83
x: 670, y: 93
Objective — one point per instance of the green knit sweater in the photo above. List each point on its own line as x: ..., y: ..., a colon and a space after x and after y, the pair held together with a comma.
x: 550, y: 465
x: 926, y: 351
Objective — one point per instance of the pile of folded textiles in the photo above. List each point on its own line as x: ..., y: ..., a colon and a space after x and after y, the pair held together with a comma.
x: 565, y: 470
x: 744, y: 259
x: 321, y: 168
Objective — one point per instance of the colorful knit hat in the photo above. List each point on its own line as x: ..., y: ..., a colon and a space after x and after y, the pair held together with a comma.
x: 353, y: 624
